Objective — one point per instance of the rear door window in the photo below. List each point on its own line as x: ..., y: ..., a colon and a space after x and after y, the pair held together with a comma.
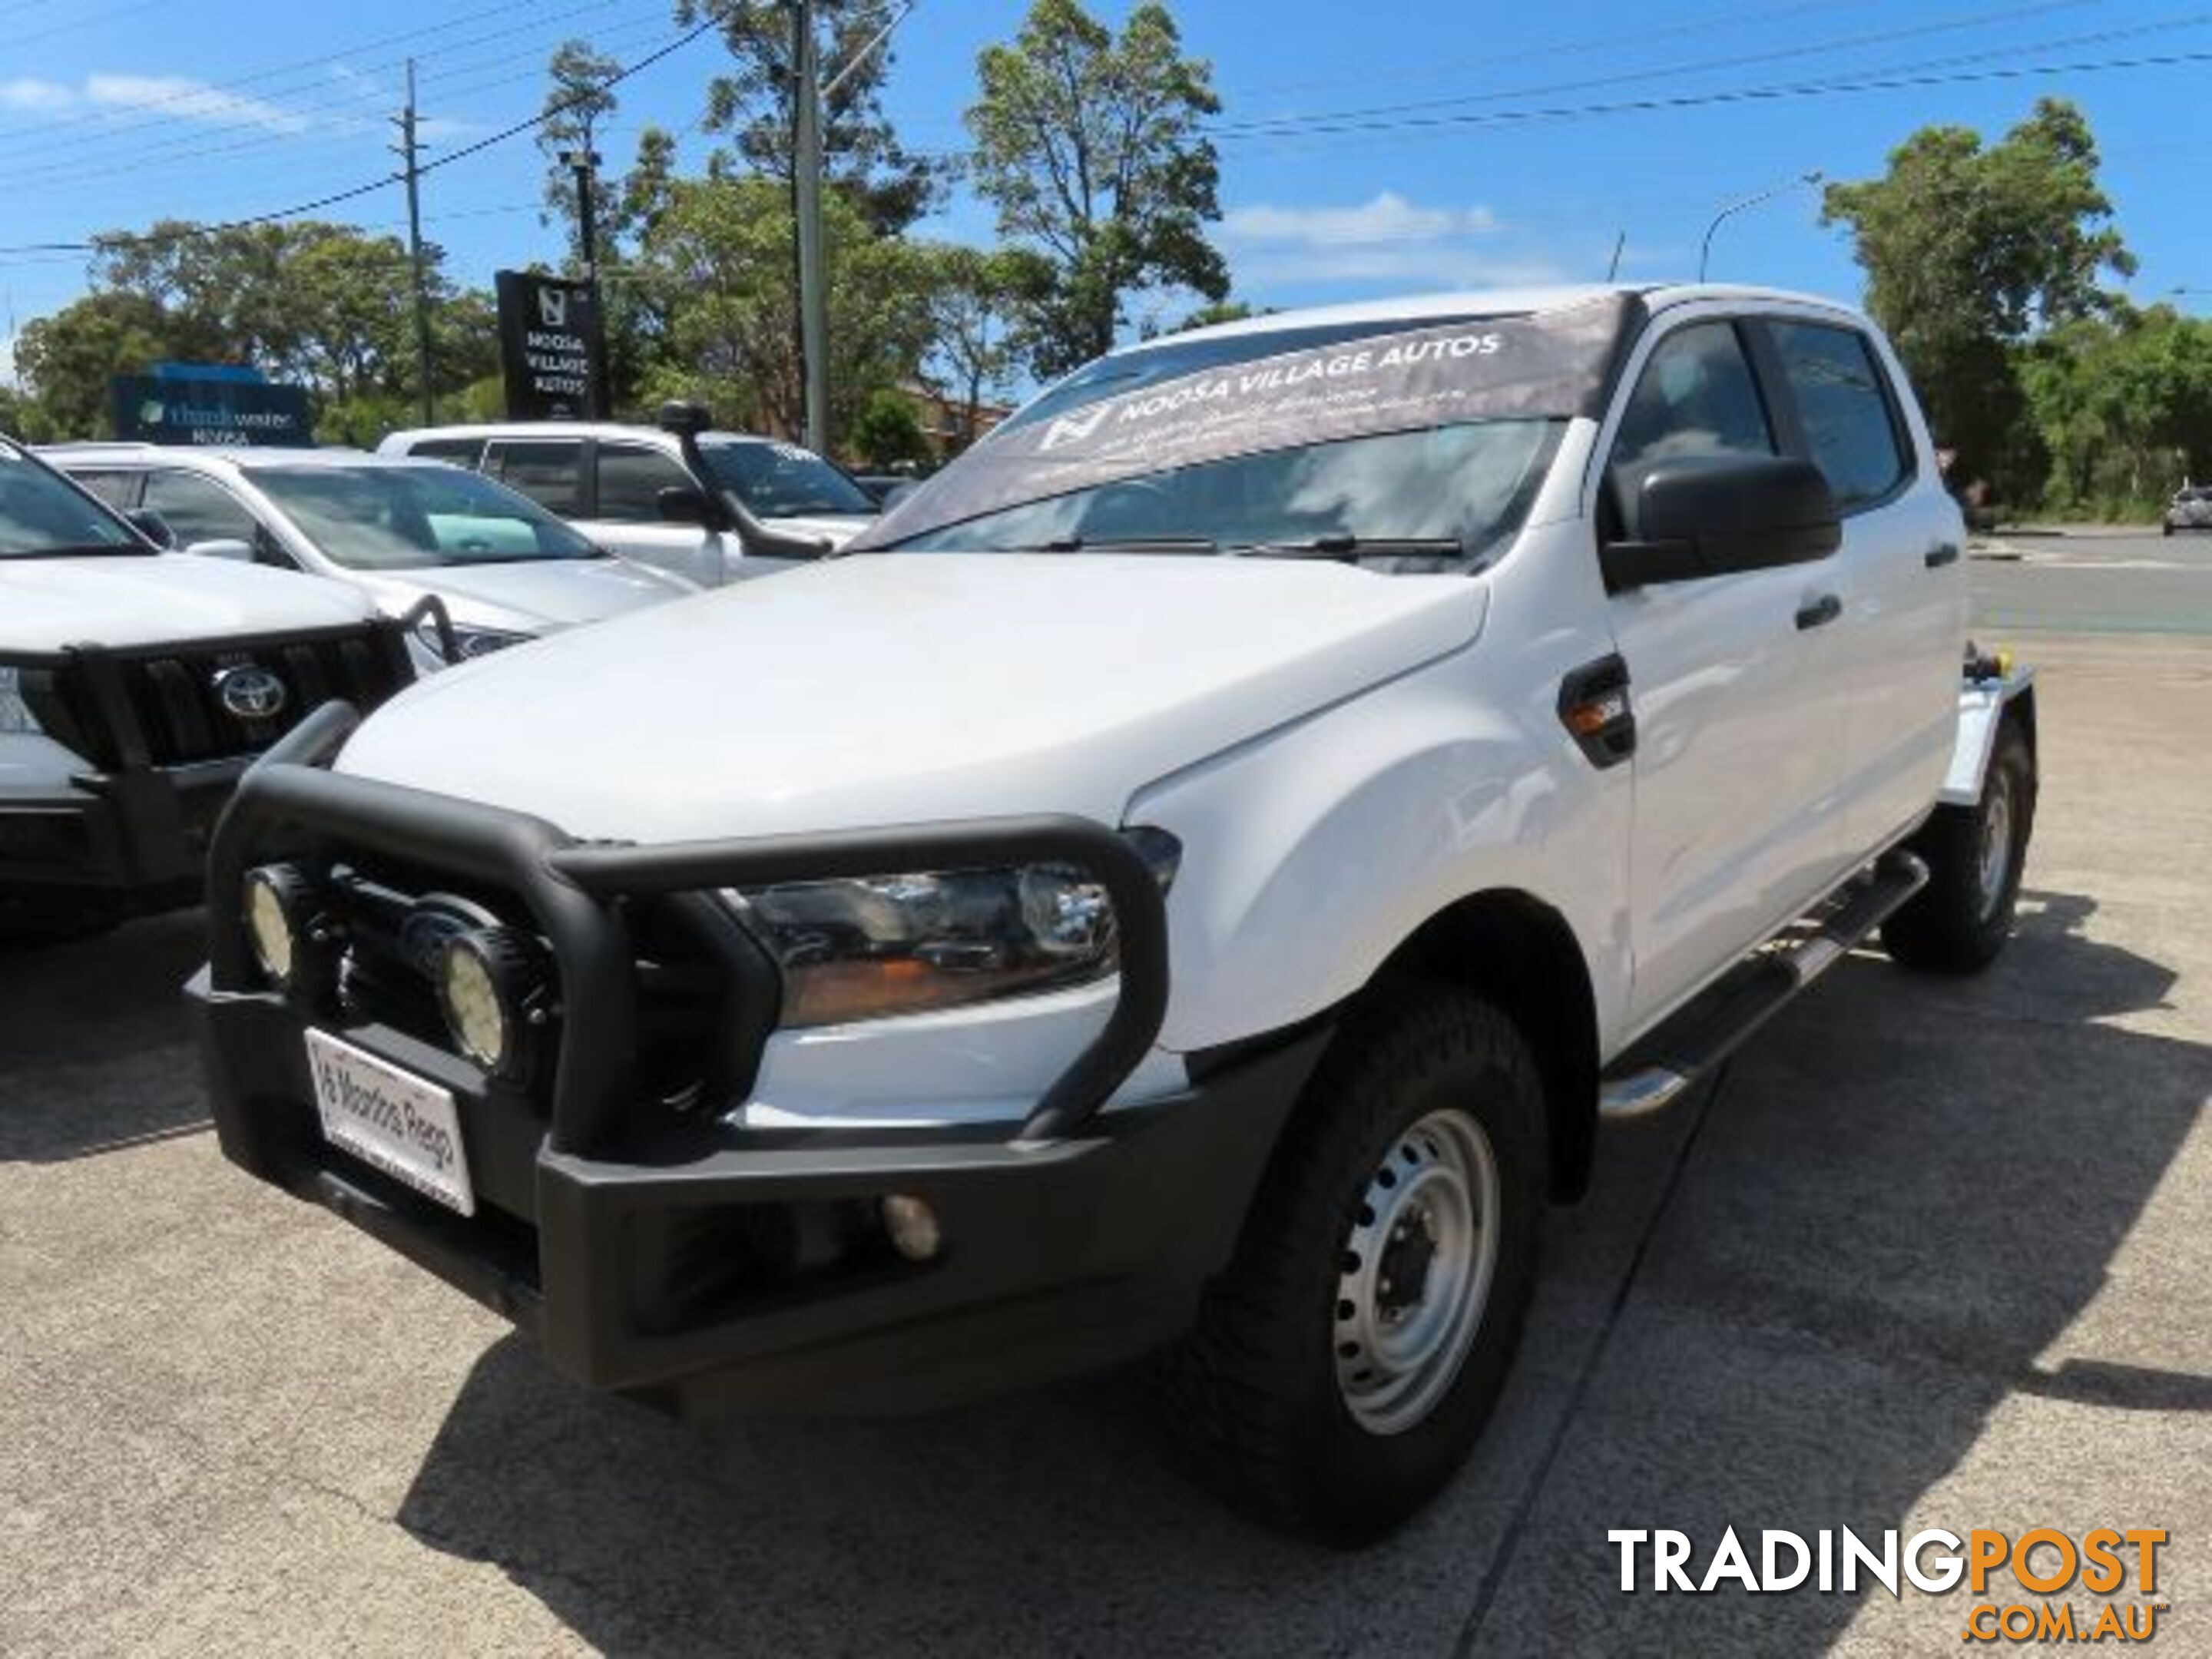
x: 1845, y: 408
x: 549, y: 472
x: 631, y: 478
x: 461, y: 451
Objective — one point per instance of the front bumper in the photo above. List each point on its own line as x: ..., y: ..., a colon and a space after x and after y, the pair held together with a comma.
x: 701, y: 1266
x: 142, y: 834
x: 643, y: 1274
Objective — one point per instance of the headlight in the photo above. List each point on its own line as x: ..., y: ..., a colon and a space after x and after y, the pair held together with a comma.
x: 283, y: 925
x: 16, y: 718
x: 493, y: 989
x: 469, y: 643
x: 879, y: 945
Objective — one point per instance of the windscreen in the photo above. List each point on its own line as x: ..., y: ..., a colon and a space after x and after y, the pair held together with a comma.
x: 1434, y: 433
x: 43, y: 517
x: 781, y: 481
x: 401, y: 518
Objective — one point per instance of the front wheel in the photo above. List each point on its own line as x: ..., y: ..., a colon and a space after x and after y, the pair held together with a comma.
x: 1959, y: 922
x: 1343, y: 1366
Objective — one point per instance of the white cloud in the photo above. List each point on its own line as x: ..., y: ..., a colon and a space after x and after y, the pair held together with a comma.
x: 28, y: 93
x: 1387, y: 217
x: 1385, y: 240
x: 176, y: 97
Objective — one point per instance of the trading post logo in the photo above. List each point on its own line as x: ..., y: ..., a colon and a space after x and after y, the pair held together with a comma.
x: 2001, y: 1571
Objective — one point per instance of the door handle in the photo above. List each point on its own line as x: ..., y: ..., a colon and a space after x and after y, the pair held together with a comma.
x: 1817, y: 612
x: 1941, y: 554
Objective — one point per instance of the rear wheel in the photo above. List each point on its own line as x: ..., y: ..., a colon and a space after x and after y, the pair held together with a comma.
x: 1343, y: 1367
x: 1959, y: 922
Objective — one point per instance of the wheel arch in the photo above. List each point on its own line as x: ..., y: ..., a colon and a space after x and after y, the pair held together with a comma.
x: 1521, y: 953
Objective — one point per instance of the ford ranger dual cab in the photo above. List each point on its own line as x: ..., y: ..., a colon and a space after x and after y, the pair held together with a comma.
x: 1192, y: 877
x: 134, y: 687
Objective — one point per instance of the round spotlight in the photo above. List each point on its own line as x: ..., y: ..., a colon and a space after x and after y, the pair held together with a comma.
x: 491, y: 985
x: 279, y: 905
x: 913, y: 1226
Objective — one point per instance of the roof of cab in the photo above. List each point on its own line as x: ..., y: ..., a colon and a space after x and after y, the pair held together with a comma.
x: 254, y: 458
x: 1490, y: 302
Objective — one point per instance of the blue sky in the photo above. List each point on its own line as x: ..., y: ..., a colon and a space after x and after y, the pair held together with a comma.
x: 1442, y: 170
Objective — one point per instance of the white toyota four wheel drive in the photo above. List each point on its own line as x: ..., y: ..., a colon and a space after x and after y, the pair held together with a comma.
x: 1194, y: 877
x: 134, y: 687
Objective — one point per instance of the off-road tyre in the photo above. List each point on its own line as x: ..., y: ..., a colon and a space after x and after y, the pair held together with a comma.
x: 1959, y: 921
x: 1255, y: 1393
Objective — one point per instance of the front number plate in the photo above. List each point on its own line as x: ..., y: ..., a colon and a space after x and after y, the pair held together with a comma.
x: 389, y: 1118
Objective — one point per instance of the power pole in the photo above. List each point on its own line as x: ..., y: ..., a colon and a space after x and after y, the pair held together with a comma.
x: 408, y: 151
x: 583, y: 163
x: 806, y: 177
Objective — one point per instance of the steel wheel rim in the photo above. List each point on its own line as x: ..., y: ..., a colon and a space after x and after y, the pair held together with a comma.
x: 1429, y: 1212
x: 1994, y: 860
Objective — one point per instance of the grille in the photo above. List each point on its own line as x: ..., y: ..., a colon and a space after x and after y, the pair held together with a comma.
x: 105, y: 704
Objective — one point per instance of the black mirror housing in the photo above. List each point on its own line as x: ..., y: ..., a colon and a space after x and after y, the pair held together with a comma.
x: 685, y: 504
x: 1711, y: 515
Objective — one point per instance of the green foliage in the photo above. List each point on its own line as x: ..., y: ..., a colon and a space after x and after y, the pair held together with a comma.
x: 321, y: 305
x: 577, y: 103
x: 980, y: 305
x: 1219, y: 311
x: 885, y: 429
x: 716, y: 268
x: 1092, y: 148
x: 753, y: 103
x: 2123, y: 408
x: 1968, y: 251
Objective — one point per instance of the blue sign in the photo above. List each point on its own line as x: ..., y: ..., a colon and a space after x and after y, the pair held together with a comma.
x: 150, y: 409
x: 237, y: 373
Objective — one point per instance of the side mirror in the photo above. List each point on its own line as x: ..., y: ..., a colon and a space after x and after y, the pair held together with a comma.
x: 1711, y: 515
x: 684, y: 504
x: 222, y: 547
x: 153, y: 526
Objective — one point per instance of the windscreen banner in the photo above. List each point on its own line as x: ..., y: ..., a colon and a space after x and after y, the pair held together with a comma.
x: 548, y: 347
x: 1550, y: 364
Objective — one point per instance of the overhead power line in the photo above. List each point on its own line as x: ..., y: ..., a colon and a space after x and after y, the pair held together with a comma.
x: 1270, y: 124
x: 1892, y: 82
x: 712, y: 20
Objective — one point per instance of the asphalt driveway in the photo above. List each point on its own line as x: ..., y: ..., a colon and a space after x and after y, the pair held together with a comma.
x: 1933, y: 1253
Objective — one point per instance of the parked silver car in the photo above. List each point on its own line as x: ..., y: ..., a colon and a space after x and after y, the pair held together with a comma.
x: 2189, y: 509
x: 504, y: 568
x: 713, y: 507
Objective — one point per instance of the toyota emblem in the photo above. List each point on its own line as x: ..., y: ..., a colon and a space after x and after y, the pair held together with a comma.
x: 252, y: 693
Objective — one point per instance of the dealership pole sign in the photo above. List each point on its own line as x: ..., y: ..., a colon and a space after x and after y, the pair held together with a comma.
x: 548, y: 347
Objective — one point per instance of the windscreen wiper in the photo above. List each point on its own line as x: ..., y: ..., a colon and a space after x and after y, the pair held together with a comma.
x: 1127, y: 545
x: 1338, y: 544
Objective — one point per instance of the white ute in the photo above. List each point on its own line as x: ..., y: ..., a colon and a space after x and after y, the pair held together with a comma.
x: 503, y: 569
x: 134, y: 687
x: 1195, y: 875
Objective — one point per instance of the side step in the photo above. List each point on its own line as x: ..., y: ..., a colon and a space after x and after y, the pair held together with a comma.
x: 1706, y: 1030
